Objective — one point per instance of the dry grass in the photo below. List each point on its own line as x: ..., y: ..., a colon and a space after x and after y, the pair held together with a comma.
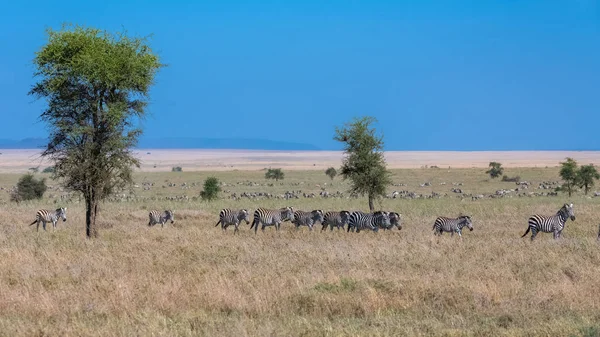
x: 193, y: 279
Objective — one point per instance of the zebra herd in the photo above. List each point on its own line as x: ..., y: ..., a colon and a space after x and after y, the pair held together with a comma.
x: 354, y: 221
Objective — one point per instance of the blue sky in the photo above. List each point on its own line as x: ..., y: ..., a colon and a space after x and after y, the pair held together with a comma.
x: 438, y: 75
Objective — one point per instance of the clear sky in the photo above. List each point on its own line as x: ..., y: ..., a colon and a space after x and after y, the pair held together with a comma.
x: 438, y: 75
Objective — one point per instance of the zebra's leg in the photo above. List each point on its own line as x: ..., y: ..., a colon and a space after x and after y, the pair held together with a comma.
x: 459, y: 233
x: 236, y: 230
x: 534, y: 232
x: 37, y: 227
x: 44, y: 224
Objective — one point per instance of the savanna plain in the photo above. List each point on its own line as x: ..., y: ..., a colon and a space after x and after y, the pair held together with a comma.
x: 191, y: 278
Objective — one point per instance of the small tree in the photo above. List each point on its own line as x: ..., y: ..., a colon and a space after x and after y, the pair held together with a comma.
x: 586, y: 176
x: 211, y: 189
x: 568, y: 173
x: 495, y: 170
x: 331, y: 172
x: 276, y: 174
x: 364, y: 162
x: 176, y: 169
x: 29, y: 188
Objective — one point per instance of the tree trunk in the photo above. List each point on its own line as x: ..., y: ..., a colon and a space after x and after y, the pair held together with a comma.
x: 371, y: 207
x: 91, y: 209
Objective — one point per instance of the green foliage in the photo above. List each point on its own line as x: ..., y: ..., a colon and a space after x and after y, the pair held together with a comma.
x: 49, y: 169
x: 364, y: 162
x: 331, y: 172
x: 97, y: 87
x: 29, y: 188
x: 495, y: 170
x: 514, y: 179
x: 34, y: 169
x: 586, y: 177
x: 211, y: 189
x: 176, y: 169
x: 568, y: 173
x: 276, y: 174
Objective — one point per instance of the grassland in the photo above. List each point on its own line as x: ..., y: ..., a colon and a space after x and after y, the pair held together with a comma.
x: 191, y: 278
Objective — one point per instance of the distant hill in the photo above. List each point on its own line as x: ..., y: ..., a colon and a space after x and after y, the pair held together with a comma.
x: 180, y: 143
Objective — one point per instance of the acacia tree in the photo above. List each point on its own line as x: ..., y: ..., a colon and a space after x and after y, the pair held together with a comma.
x: 364, y: 162
x: 586, y: 176
x: 495, y: 170
x: 276, y: 174
x: 96, y: 85
x: 568, y: 173
x: 331, y: 172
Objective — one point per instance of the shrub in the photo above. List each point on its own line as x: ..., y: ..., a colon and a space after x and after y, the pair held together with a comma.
x: 515, y: 179
x: 176, y: 169
x: 29, y: 188
x: 49, y: 169
x: 331, y: 172
x: 211, y: 189
x: 276, y: 174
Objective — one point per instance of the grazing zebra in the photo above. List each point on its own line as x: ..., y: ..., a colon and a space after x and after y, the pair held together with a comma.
x: 335, y: 219
x: 302, y: 218
x: 271, y: 217
x: 44, y: 215
x: 443, y: 224
x: 162, y: 218
x: 550, y: 224
x: 395, y: 221
x: 360, y: 220
x: 233, y: 217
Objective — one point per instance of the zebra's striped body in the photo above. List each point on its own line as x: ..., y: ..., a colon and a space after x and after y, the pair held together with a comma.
x: 271, y: 217
x: 161, y: 218
x: 44, y: 216
x: 229, y: 217
x: 335, y: 219
x: 360, y: 220
x: 443, y: 224
x: 550, y: 224
x: 302, y: 218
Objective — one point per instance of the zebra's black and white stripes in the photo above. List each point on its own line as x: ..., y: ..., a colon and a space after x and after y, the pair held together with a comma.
x: 360, y: 220
x: 161, y: 218
x: 302, y: 218
x: 229, y: 217
x: 44, y: 216
x: 550, y: 224
x: 335, y: 219
x: 271, y: 217
x: 395, y: 221
x: 452, y: 225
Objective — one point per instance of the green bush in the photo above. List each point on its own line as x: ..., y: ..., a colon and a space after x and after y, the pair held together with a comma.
x: 176, y: 169
x: 211, y: 189
x: 49, y: 169
x: 29, y: 188
x: 276, y: 174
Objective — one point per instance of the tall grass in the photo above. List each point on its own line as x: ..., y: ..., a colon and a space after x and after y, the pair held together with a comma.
x: 193, y: 279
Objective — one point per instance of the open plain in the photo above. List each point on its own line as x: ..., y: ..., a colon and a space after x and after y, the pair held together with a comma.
x: 191, y: 278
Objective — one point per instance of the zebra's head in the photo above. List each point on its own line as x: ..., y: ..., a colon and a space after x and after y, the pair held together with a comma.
x: 345, y: 217
x: 567, y: 210
x: 244, y: 215
x: 383, y: 218
x: 287, y: 213
x: 61, y: 213
x: 169, y: 215
x: 396, y: 220
x: 467, y: 221
x: 317, y: 215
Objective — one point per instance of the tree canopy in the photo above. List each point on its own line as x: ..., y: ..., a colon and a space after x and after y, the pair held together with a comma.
x: 276, y: 174
x: 586, y: 177
x: 331, y: 172
x: 364, y: 161
x: 495, y: 170
x: 97, y: 87
x: 568, y: 173
x: 211, y: 189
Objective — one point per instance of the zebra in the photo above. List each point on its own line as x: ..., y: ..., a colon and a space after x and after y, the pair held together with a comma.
x: 360, y: 220
x: 302, y: 218
x: 161, y: 218
x: 271, y: 217
x: 395, y: 221
x: 550, y: 224
x: 233, y: 217
x: 44, y: 215
x: 443, y: 224
x: 335, y: 219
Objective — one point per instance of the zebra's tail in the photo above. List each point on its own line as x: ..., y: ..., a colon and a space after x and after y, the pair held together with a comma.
x: 218, y: 222
x: 34, y: 221
x: 527, y: 231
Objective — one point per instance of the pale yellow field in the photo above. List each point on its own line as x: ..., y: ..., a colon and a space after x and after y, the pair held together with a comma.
x: 193, y: 279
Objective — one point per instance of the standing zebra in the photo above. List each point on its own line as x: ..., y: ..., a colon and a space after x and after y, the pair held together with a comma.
x: 443, y: 224
x: 271, y: 217
x: 335, y: 219
x: 233, y: 217
x: 395, y: 221
x: 550, y: 224
x: 360, y: 220
x: 302, y: 218
x: 161, y: 218
x: 44, y: 215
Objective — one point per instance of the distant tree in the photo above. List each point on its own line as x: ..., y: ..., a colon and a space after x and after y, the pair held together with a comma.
x: 49, y: 169
x: 586, y: 177
x: 568, y: 173
x: 331, y: 172
x: 176, y: 169
x: 211, y: 189
x: 276, y: 174
x: 495, y: 170
x: 29, y: 188
x: 364, y: 162
x: 34, y: 169
x: 97, y: 87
